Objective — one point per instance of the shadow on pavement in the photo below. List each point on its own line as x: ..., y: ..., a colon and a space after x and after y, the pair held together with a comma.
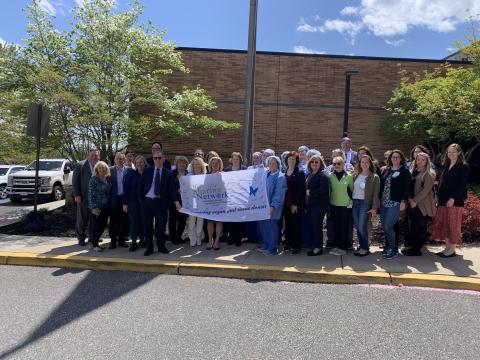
x: 90, y: 294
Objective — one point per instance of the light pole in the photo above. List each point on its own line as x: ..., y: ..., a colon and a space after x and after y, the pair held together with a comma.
x: 346, y: 105
x: 250, y: 82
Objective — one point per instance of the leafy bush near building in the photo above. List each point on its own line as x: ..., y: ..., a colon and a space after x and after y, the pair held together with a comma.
x: 471, y: 218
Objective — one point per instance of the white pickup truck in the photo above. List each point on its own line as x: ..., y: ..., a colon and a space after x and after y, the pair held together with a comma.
x: 54, y: 175
x: 6, y: 170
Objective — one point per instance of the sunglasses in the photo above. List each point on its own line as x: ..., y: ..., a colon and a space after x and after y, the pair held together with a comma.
x: 157, y: 158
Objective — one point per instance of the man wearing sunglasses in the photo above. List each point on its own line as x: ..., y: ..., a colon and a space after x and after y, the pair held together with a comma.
x: 157, y: 192
x: 157, y: 146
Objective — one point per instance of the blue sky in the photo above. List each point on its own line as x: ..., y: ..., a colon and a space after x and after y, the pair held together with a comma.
x: 401, y: 28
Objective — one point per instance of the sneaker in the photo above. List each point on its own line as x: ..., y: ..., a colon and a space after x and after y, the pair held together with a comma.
x: 361, y: 252
x: 337, y: 252
x: 390, y: 254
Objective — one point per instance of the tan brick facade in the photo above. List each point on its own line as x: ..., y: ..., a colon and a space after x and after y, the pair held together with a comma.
x: 299, y: 99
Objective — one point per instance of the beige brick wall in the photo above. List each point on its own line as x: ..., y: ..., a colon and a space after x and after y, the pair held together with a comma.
x: 299, y: 100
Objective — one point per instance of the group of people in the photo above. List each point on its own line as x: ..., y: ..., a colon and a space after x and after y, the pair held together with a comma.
x: 138, y: 196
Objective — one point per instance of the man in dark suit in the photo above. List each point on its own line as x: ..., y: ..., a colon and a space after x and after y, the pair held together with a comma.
x: 157, y: 191
x: 119, y: 229
x: 80, y: 180
x: 157, y: 146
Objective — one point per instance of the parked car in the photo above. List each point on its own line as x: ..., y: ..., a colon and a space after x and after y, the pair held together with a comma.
x: 6, y: 170
x: 54, y: 175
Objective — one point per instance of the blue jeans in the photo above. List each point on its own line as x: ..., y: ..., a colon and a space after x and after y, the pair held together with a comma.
x: 268, y: 230
x: 389, y: 217
x: 360, y: 218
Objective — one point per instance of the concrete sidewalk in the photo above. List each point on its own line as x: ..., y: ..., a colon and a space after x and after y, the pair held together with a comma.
x: 460, y: 272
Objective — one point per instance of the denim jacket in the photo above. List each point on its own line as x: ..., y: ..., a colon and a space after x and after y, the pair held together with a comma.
x: 99, y: 193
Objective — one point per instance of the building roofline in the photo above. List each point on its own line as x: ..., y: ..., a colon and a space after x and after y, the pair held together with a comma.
x: 375, y: 58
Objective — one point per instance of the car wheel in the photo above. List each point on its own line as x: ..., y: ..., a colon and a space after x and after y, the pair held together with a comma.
x: 57, y: 193
x: 3, y: 192
x: 15, y: 199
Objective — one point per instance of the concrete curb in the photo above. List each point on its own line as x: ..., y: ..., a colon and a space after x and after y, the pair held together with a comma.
x: 239, y: 271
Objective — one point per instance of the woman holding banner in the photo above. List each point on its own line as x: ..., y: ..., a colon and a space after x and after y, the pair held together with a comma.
x: 215, y: 165
x: 195, y: 223
x: 235, y: 230
x: 276, y: 188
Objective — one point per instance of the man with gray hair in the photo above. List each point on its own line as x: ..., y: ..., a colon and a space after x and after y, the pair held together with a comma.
x: 80, y: 180
x: 350, y: 155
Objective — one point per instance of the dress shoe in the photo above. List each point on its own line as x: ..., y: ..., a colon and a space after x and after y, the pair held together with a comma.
x: 164, y: 251
x: 148, y: 252
x: 133, y: 248
x: 315, y: 252
x: 442, y: 255
x: 411, y: 252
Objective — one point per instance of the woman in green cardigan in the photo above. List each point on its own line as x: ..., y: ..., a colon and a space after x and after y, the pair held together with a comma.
x: 341, y: 188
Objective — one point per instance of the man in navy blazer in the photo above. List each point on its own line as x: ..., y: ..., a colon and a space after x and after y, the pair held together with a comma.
x: 119, y: 226
x: 157, y: 191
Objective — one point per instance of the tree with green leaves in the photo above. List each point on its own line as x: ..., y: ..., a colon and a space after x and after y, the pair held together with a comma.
x: 439, y: 107
x: 104, y: 82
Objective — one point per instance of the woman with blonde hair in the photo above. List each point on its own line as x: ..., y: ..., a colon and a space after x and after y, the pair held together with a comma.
x: 100, y: 195
x: 317, y: 199
x: 195, y: 223
x: 452, y: 192
x: 215, y: 166
x: 132, y: 204
x: 422, y: 203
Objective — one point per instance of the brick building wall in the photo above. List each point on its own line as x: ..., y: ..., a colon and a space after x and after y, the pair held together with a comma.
x: 298, y: 101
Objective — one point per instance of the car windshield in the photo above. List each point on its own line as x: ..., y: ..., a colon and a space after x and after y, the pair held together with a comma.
x: 3, y: 171
x: 46, y: 165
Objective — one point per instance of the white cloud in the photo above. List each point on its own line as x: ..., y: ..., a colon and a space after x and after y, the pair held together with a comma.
x: 451, y: 50
x: 3, y: 42
x: 387, y: 18
x: 349, y: 10
x: 395, y: 43
x: 300, y: 49
x: 48, y: 6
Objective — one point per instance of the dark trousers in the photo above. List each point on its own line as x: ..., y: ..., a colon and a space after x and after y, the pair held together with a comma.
x: 135, y: 216
x: 237, y: 230
x: 97, y: 226
x: 119, y: 224
x: 292, y: 229
x: 154, y: 209
x: 416, y: 232
x: 316, y: 216
x: 83, y: 216
x: 340, y: 219
x: 176, y: 224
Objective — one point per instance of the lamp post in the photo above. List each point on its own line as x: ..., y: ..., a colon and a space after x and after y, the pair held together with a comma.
x: 346, y: 106
x: 250, y: 82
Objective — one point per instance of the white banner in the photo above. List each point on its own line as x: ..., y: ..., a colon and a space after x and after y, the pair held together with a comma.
x: 233, y: 196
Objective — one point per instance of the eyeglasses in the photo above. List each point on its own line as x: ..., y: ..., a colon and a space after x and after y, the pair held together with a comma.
x: 157, y: 158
